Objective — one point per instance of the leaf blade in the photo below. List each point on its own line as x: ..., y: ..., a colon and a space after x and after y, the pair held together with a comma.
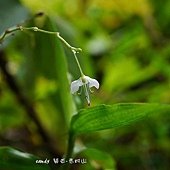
x: 101, y: 158
x: 16, y: 160
x: 104, y: 117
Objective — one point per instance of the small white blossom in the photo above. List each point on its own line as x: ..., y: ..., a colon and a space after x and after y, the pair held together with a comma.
x: 82, y: 81
x: 86, y: 82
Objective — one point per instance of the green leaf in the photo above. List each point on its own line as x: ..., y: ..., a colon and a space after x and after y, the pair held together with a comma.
x: 53, y: 64
x: 110, y: 116
x: 62, y: 74
x: 11, y: 14
x: 98, y: 158
x: 12, y: 159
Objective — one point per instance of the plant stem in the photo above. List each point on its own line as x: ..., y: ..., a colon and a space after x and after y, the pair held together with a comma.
x: 36, y: 29
x: 21, y: 28
x: 8, y: 31
x: 71, y: 142
x: 77, y: 61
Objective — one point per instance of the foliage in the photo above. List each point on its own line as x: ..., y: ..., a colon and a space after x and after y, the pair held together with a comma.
x: 125, y: 46
x: 16, y: 160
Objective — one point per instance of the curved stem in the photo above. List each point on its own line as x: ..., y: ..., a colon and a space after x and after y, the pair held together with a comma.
x: 36, y: 29
x: 8, y: 31
x: 21, y: 28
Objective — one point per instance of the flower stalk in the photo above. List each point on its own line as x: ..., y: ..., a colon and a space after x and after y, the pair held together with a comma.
x: 36, y: 29
x: 84, y: 81
x: 78, y: 64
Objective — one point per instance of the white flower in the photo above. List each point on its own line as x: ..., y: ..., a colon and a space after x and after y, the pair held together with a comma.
x: 86, y: 82
x: 83, y: 81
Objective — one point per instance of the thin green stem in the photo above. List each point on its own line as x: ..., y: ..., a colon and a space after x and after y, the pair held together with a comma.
x: 21, y: 28
x: 8, y: 31
x: 71, y: 143
x: 68, y: 45
x: 77, y: 61
x: 55, y: 33
x: 36, y: 29
x: 70, y: 148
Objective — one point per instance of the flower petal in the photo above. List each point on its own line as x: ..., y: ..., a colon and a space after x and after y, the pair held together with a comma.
x: 75, y: 86
x: 92, y: 82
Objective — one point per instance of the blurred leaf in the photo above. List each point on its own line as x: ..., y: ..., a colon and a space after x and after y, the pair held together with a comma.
x: 47, y: 61
x: 130, y: 37
x: 127, y: 72
x: 140, y: 7
x: 11, y: 14
x: 98, y: 159
x: 106, y: 116
x: 62, y: 75
x: 12, y: 159
x: 99, y: 45
x: 44, y: 88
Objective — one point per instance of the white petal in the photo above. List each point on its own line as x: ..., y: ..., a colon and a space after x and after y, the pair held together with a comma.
x: 75, y: 86
x: 92, y: 82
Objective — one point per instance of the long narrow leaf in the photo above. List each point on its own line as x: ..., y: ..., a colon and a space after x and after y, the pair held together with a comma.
x: 12, y: 159
x: 110, y: 116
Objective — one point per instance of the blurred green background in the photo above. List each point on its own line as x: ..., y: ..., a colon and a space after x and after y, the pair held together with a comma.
x: 126, y: 47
